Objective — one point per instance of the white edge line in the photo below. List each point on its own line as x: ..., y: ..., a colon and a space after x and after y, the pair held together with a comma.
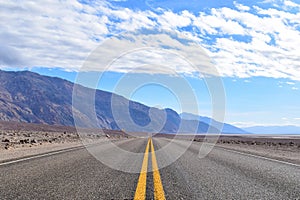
x: 257, y: 156
x: 46, y: 154
x: 40, y: 156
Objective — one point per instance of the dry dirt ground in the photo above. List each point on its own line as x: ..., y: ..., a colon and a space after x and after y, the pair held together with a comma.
x: 22, y: 139
x: 285, y: 148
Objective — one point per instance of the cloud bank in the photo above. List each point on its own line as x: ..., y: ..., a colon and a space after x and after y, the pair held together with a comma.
x: 242, y: 41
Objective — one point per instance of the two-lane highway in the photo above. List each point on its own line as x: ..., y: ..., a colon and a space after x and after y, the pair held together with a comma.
x: 223, y: 174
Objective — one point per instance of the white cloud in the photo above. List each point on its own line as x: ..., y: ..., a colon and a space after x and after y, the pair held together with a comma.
x: 290, y: 83
x: 62, y: 34
x: 241, y: 7
x: 283, y: 4
x: 291, y: 4
x: 151, y: 52
x: 213, y: 24
x: 173, y: 20
x: 243, y: 124
x: 273, y: 50
x: 295, y: 88
x: 58, y: 35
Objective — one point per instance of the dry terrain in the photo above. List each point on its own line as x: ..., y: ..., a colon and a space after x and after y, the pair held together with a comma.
x: 280, y: 147
x: 24, y: 139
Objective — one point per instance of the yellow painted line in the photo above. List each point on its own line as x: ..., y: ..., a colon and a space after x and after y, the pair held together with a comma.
x: 159, y: 193
x: 140, y: 192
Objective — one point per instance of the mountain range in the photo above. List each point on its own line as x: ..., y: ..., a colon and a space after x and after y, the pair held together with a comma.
x: 29, y: 97
x: 273, y: 129
x: 227, y: 128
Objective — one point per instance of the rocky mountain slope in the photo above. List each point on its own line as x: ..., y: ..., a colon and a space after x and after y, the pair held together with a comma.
x: 29, y: 97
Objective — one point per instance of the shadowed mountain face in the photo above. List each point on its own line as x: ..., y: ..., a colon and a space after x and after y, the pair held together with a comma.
x: 30, y: 97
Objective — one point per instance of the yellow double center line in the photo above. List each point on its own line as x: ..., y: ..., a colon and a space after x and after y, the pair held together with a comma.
x: 140, y: 193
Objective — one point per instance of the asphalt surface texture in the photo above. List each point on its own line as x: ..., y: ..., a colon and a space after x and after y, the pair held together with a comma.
x: 181, y: 173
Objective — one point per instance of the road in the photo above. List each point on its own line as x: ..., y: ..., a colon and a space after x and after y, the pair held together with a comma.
x: 223, y: 174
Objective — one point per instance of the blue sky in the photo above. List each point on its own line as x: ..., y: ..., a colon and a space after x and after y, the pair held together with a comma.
x: 253, y: 45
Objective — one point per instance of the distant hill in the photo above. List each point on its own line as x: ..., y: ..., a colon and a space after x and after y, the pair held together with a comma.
x: 29, y: 97
x: 274, y: 129
x: 227, y: 128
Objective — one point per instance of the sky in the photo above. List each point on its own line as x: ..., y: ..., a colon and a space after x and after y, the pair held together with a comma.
x: 175, y: 47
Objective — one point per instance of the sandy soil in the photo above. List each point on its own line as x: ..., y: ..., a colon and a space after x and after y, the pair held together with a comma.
x: 289, y: 154
x: 283, y: 148
x: 21, y: 139
x: 280, y: 147
x: 19, y: 152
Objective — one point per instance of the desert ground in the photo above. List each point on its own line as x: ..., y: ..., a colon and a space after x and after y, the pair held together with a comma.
x: 22, y: 139
x: 279, y: 147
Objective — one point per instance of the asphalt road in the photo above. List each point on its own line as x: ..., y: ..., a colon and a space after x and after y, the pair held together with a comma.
x: 222, y: 174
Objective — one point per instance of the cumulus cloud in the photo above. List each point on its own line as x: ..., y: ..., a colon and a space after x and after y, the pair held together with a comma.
x: 291, y: 4
x: 54, y: 35
x: 173, y: 20
x: 160, y: 52
x: 241, y: 7
x: 273, y: 48
x: 241, y: 41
